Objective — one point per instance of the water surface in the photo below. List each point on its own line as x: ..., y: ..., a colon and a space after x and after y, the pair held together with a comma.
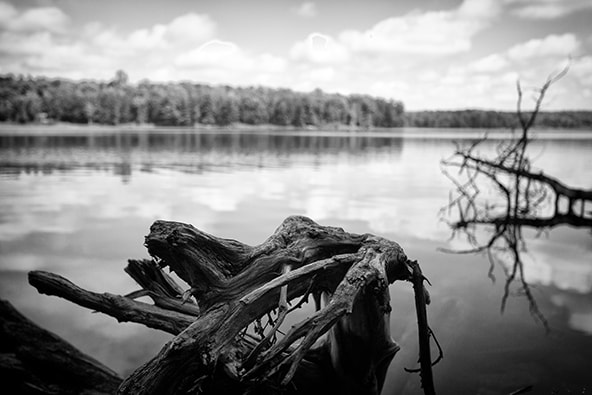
x: 79, y: 204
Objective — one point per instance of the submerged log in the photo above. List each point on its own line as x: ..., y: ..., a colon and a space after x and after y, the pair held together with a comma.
x: 36, y: 361
x: 228, y: 324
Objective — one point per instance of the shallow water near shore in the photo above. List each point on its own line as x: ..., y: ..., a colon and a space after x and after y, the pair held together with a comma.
x: 79, y: 204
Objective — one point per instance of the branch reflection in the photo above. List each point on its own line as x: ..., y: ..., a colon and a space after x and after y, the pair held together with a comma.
x: 499, y: 194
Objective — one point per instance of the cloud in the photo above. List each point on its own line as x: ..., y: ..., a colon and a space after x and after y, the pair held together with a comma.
x: 490, y: 63
x: 433, y: 32
x: 551, y: 46
x: 489, y: 82
x: 228, y: 59
x: 210, y: 53
x: 547, y: 9
x: 184, y: 32
x: 307, y: 9
x: 582, y: 69
x: 42, y: 19
x: 184, y: 48
x: 319, y: 48
x: 405, y: 57
x: 190, y: 29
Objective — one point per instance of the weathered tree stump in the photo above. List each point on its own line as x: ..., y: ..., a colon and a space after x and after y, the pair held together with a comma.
x: 228, y: 329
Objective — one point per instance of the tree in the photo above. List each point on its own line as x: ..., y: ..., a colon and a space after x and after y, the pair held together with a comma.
x: 281, y: 113
x: 121, y: 79
x: 335, y: 110
x: 252, y: 110
x: 227, y: 109
x: 207, y: 109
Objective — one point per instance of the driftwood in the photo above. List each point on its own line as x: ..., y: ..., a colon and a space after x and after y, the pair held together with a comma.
x: 36, y: 361
x: 228, y: 324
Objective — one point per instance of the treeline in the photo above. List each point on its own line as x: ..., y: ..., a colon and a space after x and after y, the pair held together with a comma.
x: 39, y: 99
x: 497, y: 119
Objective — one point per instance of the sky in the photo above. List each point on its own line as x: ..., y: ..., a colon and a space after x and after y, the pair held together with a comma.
x: 430, y: 54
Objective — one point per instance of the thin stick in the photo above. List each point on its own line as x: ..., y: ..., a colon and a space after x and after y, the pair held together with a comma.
x: 425, y: 357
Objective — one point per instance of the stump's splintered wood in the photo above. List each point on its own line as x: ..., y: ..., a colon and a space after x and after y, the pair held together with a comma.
x: 159, y: 286
x: 344, y: 347
x: 364, y: 285
x: 282, y: 313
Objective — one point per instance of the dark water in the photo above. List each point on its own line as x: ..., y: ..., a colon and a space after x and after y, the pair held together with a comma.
x: 79, y: 205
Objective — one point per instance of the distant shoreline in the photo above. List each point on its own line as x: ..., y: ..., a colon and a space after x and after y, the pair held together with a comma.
x: 65, y: 129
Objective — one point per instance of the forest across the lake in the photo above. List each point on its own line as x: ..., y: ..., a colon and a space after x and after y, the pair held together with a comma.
x: 27, y: 99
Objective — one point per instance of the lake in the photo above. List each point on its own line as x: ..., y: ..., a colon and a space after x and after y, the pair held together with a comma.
x: 79, y: 204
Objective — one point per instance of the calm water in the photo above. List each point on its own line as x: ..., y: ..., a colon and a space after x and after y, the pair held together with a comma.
x: 79, y: 205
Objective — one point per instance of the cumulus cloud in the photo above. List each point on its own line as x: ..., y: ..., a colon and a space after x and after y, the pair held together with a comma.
x: 187, y: 47
x: 434, y: 32
x: 307, y: 9
x: 190, y: 29
x: 490, y: 63
x: 535, y: 56
x: 403, y: 57
x: 546, y: 9
x: 209, y: 53
x: 33, y: 39
x: 227, y: 62
x: 46, y: 19
x: 319, y: 48
x: 489, y: 82
x: 182, y: 33
x: 550, y: 46
x: 582, y: 69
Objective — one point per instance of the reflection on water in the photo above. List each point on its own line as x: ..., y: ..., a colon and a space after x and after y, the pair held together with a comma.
x: 80, y: 204
x: 182, y: 151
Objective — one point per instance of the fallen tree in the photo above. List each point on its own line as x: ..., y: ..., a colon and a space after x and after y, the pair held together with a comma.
x: 230, y: 324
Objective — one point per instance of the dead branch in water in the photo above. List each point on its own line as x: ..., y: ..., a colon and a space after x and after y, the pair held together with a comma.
x: 523, y: 197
